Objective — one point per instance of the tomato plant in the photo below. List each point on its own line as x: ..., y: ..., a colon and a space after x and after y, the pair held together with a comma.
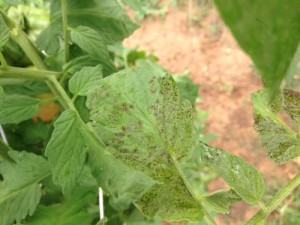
x: 130, y: 132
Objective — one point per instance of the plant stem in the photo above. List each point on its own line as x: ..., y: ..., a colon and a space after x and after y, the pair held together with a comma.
x: 3, y: 61
x: 21, y: 38
x: 65, y: 28
x: 16, y: 72
x: 208, y: 219
x: 275, y: 201
x: 62, y: 96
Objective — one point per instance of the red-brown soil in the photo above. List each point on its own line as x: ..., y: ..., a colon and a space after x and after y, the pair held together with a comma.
x: 227, y: 78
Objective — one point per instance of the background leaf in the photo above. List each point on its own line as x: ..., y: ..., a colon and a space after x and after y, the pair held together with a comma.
x: 280, y: 142
x: 104, y: 16
x: 269, y: 31
x: 187, y: 89
x: 73, y: 211
x: 91, y: 42
x: 140, y: 120
x: 241, y: 176
x: 20, y: 192
x: 66, y: 150
x: 16, y: 108
x: 4, y: 32
x: 82, y: 81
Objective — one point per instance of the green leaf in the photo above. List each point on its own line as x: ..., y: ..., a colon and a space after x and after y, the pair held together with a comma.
x: 24, y: 87
x: 280, y: 142
x: 104, y: 16
x: 48, y: 40
x: 16, y: 108
x: 4, y: 149
x: 291, y: 104
x: 66, y: 150
x: 187, y: 88
x: 241, y: 176
x: 220, y: 201
x: 20, y: 190
x: 91, y: 42
x: 121, y: 183
x: 4, y: 32
x: 82, y: 81
x: 269, y: 31
x: 78, y: 63
x: 73, y: 211
x: 139, y: 118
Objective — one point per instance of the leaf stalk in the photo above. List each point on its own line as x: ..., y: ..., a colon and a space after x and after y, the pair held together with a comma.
x: 282, y: 194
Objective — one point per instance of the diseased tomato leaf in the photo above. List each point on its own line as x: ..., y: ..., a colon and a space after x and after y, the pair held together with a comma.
x: 280, y: 142
x: 243, y: 178
x: 120, y: 182
x: 291, y: 104
x: 140, y: 120
x: 20, y: 190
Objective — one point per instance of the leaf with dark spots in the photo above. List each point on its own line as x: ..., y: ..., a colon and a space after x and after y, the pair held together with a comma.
x: 280, y: 142
x: 291, y: 104
x: 139, y: 117
x: 243, y: 178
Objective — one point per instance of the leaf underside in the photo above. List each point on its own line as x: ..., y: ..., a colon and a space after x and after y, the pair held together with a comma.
x: 241, y: 176
x: 271, y: 41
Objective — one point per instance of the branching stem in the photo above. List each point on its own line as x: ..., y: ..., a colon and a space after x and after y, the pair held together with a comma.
x: 275, y: 201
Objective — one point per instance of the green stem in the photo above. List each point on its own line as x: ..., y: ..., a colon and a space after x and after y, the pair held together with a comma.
x: 65, y: 28
x: 3, y: 61
x: 61, y: 94
x: 275, y: 201
x: 208, y: 219
x: 21, y: 73
x: 21, y: 38
x: 63, y: 77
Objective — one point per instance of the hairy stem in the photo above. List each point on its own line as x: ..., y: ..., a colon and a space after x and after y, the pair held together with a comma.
x: 16, y: 72
x: 61, y: 94
x: 275, y: 201
x: 30, y: 50
x: 65, y: 28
